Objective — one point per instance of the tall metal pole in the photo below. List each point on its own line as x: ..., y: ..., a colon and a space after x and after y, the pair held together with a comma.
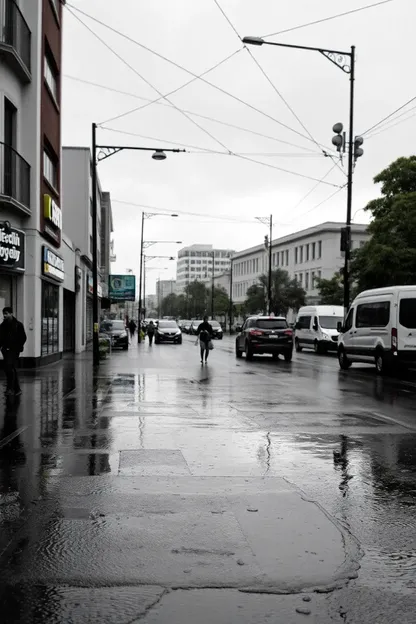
x: 269, y: 294
x: 144, y: 287
x: 349, y: 187
x: 212, y: 287
x: 139, y: 321
x: 231, y: 296
x: 95, y: 340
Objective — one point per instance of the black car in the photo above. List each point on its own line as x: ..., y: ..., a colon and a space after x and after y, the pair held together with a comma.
x: 117, y: 331
x: 217, y: 331
x: 168, y: 331
x: 265, y: 334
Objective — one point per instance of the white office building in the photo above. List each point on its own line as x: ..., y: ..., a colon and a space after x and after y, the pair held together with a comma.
x: 197, y: 262
x: 163, y: 289
x: 306, y: 255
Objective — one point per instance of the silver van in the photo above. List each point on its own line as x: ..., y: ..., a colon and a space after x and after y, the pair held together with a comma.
x: 380, y: 328
x: 317, y: 328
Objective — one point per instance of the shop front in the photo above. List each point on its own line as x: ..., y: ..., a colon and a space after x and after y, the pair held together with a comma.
x: 89, y: 308
x: 53, y: 274
x: 12, y: 266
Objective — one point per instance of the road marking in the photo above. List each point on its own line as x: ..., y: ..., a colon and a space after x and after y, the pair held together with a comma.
x: 394, y: 421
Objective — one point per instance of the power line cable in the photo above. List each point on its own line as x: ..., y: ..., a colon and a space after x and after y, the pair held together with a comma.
x: 148, y: 82
x: 318, y: 205
x: 389, y: 127
x: 327, y: 19
x: 389, y: 116
x: 214, y: 86
x: 313, y: 188
x: 206, y: 117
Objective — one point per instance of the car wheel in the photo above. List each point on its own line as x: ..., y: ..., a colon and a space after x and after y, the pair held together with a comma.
x: 180, y: 341
x: 317, y: 347
x: 219, y: 337
x: 288, y: 355
x: 297, y: 345
x: 249, y: 352
x: 238, y: 353
x: 343, y: 360
x: 275, y: 356
x: 380, y: 362
x: 125, y: 347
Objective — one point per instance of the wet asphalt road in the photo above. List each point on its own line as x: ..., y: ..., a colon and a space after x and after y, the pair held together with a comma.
x: 162, y: 491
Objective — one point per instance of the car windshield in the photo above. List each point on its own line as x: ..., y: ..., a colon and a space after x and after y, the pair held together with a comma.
x: 117, y: 325
x: 330, y: 322
x: 167, y: 324
x: 272, y: 323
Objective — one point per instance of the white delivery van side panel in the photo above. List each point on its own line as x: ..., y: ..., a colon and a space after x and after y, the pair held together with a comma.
x: 406, y: 321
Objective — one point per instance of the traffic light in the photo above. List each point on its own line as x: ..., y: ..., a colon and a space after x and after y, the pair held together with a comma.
x: 339, y: 139
x: 358, y: 150
x: 344, y: 239
x: 266, y: 242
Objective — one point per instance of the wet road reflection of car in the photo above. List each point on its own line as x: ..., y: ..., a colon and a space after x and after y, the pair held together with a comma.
x: 168, y: 331
x: 117, y: 331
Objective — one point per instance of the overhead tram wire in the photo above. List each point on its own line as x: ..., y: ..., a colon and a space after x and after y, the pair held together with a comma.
x: 317, y: 205
x: 314, y: 188
x: 327, y: 19
x: 148, y: 82
x: 379, y: 123
x: 214, y: 86
x: 392, y: 125
x: 192, y: 113
x: 325, y: 151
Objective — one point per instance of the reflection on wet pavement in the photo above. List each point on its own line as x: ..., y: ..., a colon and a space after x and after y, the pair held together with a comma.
x: 347, y: 443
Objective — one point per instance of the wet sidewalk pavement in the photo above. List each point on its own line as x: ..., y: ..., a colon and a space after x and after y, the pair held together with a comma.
x: 161, y: 491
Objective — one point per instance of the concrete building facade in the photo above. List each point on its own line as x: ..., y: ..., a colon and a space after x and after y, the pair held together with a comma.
x: 306, y: 255
x: 163, y: 289
x: 197, y: 262
x: 31, y: 263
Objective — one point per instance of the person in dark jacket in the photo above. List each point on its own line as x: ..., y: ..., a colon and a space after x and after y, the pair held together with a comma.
x: 12, y: 341
x: 132, y: 328
x: 151, y: 332
x: 204, y: 332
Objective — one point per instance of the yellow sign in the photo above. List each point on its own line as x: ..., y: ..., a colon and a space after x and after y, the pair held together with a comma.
x: 52, y: 212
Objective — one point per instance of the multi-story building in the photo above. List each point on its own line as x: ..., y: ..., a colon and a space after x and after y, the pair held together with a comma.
x: 306, y: 255
x: 198, y: 262
x: 32, y: 271
x: 221, y: 280
x: 77, y: 224
x: 163, y: 289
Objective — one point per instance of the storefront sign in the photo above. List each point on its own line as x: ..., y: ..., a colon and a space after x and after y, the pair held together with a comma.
x: 91, y: 287
x: 52, y: 265
x: 122, y: 287
x: 12, y: 248
x: 52, y: 212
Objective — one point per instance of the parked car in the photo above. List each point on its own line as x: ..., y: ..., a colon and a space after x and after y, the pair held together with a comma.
x: 316, y: 328
x: 265, y: 334
x: 117, y: 331
x: 217, y: 331
x: 183, y: 324
x: 187, y: 327
x: 194, y: 326
x: 380, y: 328
x: 168, y: 331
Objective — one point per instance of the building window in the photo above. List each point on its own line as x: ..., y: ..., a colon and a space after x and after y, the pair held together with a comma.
x: 313, y: 251
x: 306, y: 281
x: 50, y: 319
x: 296, y: 255
x: 51, y: 74
x: 313, y: 279
x: 287, y: 257
x: 319, y: 249
x: 91, y: 245
x: 257, y: 263
x: 50, y: 168
x: 319, y: 274
x: 301, y: 278
x: 307, y: 252
x: 301, y: 254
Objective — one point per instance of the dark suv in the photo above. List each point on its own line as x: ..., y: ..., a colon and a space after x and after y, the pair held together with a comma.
x: 265, y: 334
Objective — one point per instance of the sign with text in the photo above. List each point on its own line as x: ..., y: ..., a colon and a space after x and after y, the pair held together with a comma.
x: 52, y: 265
x: 52, y: 212
x: 12, y: 248
x: 122, y: 287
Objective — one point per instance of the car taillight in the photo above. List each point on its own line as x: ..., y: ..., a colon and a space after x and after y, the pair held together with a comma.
x: 256, y: 332
x: 394, y: 339
x: 288, y: 332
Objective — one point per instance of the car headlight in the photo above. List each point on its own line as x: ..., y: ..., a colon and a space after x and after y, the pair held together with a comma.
x: 326, y: 337
x: 123, y: 335
x: 159, y: 331
x: 178, y: 333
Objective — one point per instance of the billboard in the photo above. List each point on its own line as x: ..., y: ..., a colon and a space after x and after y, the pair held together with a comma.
x: 122, y: 287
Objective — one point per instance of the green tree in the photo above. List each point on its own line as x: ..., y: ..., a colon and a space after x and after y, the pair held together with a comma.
x: 196, y: 296
x: 331, y: 291
x: 389, y: 257
x: 286, y: 293
x: 221, y: 301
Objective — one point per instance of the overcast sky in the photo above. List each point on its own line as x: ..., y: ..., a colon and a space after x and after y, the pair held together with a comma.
x: 227, y: 190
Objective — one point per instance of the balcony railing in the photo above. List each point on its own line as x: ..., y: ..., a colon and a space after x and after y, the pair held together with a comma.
x: 15, y: 33
x: 14, y: 178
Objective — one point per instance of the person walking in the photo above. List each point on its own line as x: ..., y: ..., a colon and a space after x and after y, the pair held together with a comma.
x: 12, y: 341
x: 204, y: 332
x: 132, y: 328
x: 151, y: 332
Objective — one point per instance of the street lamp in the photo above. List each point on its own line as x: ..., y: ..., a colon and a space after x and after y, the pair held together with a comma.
x: 212, y: 285
x: 268, y: 246
x: 143, y: 245
x: 346, y: 62
x: 230, y: 313
x: 105, y: 151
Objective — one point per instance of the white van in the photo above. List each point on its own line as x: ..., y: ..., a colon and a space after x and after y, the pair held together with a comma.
x: 380, y: 328
x: 317, y: 328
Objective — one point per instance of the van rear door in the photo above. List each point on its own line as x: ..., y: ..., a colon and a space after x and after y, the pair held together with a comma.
x: 406, y: 330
